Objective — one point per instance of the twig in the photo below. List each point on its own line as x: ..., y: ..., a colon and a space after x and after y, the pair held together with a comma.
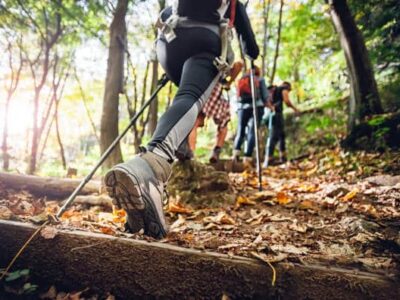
x: 92, y: 245
x: 22, y: 250
x: 258, y: 256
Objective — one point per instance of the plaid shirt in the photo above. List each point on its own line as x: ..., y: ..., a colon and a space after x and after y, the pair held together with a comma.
x: 217, y: 107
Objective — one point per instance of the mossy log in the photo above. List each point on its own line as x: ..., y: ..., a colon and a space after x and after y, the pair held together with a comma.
x: 132, y: 269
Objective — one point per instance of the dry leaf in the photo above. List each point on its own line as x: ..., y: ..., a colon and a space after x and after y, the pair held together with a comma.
x: 107, y: 230
x: 221, y: 218
x: 289, y: 249
x: 50, y: 294
x: 241, y: 200
x: 282, y: 198
x: 178, y: 208
x: 350, y: 195
x: 178, y: 223
x: 5, y: 213
x: 298, y: 227
x: 48, y: 232
x: 307, y: 204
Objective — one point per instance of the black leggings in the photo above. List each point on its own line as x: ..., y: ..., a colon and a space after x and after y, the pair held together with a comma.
x: 189, y: 62
x: 278, y: 134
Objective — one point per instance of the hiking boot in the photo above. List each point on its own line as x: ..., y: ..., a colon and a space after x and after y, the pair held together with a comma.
x: 137, y: 186
x: 215, y: 155
x: 247, y: 162
x: 236, y: 156
x: 282, y: 157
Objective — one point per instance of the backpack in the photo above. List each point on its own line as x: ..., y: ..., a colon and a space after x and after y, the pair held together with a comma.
x: 244, y: 86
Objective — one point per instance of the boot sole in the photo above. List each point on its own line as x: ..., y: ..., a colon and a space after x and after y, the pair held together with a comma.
x: 124, y: 188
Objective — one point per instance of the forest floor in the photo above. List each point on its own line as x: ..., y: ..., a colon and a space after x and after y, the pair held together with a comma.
x: 332, y: 208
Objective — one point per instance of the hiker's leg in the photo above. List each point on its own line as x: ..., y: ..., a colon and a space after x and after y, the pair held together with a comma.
x: 243, y: 119
x: 199, y: 76
x: 251, y: 134
x: 220, y: 140
x: 282, y: 144
x: 221, y: 136
x: 192, y: 138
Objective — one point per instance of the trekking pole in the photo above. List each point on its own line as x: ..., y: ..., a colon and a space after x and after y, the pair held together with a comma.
x: 161, y: 83
x: 254, y: 101
x: 266, y: 159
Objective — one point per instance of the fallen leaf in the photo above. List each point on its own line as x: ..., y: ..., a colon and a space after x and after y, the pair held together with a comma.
x: 289, y: 249
x: 50, y: 294
x: 220, y: 218
x: 350, y: 195
x: 279, y: 218
x: 307, y: 204
x: 241, y: 200
x: 178, y: 223
x: 298, y: 227
x: 178, y: 208
x: 48, y: 232
x: 5, y: 213
x: 282, y: 198
x: 107, y: 230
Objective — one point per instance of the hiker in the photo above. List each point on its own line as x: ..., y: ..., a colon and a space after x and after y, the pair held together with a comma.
x: 279, y: 96
x: 245, y: 114
x: 217, y: 108
x: 191, y: 47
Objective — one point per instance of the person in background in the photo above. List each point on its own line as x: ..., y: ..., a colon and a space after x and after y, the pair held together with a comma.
x: 218, y: 109
x: 279, y: 96
x: 245, y: 114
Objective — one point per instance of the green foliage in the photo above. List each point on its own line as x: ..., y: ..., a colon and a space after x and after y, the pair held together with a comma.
x: 17, y: 275
x: 380, y: 24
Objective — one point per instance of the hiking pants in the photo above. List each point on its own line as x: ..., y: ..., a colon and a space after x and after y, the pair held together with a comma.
x: 245, y: 119
x: 188, y: 61
x: 278, y: 134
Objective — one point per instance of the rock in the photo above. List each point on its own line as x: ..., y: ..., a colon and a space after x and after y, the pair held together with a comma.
x: 199, y: 185
x: 386, y: 180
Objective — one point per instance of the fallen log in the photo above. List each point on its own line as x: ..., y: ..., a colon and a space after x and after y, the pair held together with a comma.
x: 46, y: 186
x: 132, y: 269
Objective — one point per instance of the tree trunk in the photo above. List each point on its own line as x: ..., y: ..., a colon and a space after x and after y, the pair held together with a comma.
x: 364, y: 97
x: 153, y: 110
x: 62, y: 152
x: 35, y: 134
x: 278, y: 41
x: 266, y: 10
x: 114, y: 84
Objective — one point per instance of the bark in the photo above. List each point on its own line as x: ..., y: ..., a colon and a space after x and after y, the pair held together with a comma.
x: 364, y: 96
x: 135, y: 269
x: 47, y: 42
x: 153, y: 109
x: 114, y: 84
x: 46, y: 186
x: 278, y: 41
x: 59, y: 140
x: 138, y: 129
x: 266, y: 10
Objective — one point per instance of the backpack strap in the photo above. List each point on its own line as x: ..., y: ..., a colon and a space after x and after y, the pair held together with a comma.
x: 226, y: 26
x: 233, y: 13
